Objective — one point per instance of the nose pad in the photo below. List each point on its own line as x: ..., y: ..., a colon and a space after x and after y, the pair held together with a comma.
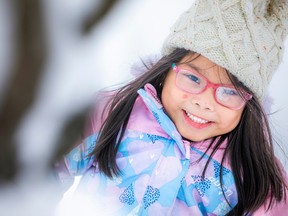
x: 204, y: 100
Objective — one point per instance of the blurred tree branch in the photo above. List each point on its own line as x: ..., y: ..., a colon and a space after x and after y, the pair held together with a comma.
x: 30, y: 54
x: 93, y: 20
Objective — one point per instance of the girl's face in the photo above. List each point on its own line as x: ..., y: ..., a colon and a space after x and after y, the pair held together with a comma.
x: 199, y: 116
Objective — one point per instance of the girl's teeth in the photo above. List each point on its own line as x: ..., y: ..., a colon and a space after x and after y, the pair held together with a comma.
x: 196, y: 119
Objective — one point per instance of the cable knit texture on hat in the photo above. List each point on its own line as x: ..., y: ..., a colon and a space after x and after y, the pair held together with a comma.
x: 244, y: 36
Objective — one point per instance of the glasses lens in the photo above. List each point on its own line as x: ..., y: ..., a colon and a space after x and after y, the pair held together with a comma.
x: 229, y: 97
x: 190, y: 81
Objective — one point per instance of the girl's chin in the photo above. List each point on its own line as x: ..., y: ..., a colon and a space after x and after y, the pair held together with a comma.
x: 195, y: 138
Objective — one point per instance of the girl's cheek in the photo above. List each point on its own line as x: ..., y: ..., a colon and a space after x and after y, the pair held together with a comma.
x: 185, y: 96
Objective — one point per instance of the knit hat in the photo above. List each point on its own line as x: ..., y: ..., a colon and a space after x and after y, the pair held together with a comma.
x: 244, y: 36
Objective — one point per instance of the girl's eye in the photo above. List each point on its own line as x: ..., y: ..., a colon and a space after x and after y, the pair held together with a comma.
x: 230, y: 92
x: 193, y: 78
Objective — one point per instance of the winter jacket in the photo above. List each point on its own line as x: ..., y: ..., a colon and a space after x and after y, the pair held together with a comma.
x: 161, y: 173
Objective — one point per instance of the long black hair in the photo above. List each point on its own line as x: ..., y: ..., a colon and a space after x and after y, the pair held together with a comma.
x: 250, y: 151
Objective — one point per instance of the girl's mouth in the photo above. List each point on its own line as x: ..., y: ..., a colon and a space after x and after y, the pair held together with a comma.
x: 196, y: 121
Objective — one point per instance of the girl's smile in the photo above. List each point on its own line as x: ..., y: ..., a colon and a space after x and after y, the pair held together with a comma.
x: 195, y: 121
x: 199, y: 116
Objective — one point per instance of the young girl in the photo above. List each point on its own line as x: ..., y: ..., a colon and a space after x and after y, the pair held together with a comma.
x: 189, y: 136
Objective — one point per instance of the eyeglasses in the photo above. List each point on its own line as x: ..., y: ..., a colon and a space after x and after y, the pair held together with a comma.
x: 226, y: 95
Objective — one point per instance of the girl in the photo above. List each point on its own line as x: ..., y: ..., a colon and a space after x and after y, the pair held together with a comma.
x: 189, y: 136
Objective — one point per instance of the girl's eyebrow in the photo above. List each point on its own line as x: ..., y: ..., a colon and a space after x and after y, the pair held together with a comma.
x: 191, y: 66
x: 195, y: 67
x: 200, y: 70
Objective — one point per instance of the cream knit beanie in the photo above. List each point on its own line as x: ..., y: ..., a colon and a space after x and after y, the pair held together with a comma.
x: 244, y: 36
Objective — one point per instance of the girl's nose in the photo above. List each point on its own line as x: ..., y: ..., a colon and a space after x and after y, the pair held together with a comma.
x: 205, y: 100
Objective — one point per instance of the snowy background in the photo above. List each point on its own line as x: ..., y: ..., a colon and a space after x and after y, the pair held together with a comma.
x: 79, y: 66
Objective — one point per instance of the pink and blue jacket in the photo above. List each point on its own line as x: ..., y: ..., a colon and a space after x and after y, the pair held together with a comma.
x: 160, y: 172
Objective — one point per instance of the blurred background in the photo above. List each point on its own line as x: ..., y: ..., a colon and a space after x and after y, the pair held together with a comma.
x: 54, y: 56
